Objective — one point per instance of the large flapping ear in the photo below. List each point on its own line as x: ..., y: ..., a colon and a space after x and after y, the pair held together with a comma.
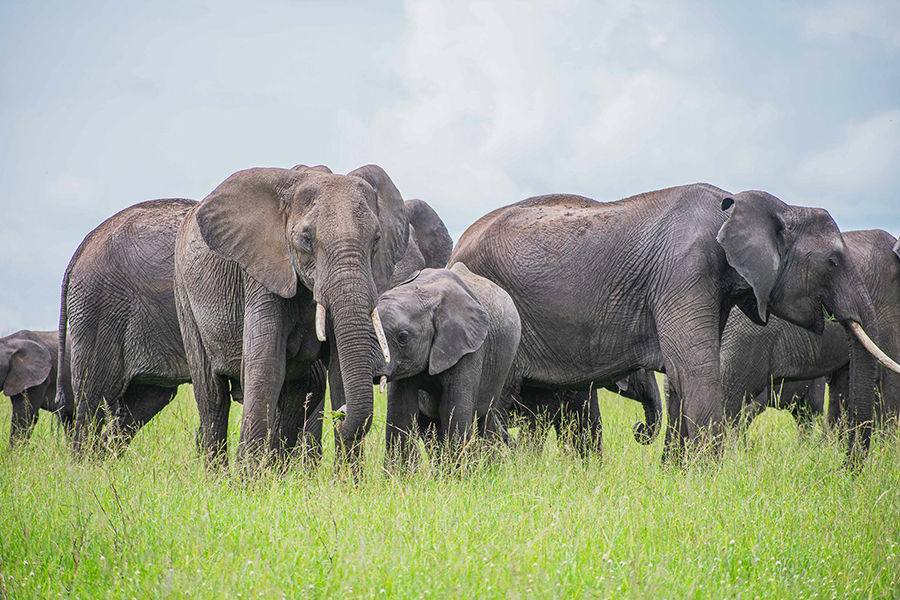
x: 245, y: 220
x: 394, y: 225
x: 431, y: 234
x: 460, y: 326
x: 751, y: 240
x: 29, y: 365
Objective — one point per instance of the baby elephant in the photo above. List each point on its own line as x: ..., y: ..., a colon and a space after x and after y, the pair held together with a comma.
x: 28, y: 371
x: 452, y: 335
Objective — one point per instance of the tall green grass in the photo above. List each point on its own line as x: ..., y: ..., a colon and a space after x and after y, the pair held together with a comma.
x: 778, y: 518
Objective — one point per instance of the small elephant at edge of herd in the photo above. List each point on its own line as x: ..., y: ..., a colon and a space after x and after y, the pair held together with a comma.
x: 281, y: 279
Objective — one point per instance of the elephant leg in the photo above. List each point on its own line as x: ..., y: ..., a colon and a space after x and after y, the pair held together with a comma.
x: 139, y: 404
x: 537, y: 409
x: 211, y: 392
x: 95, y: 398
x: 263, y: 368
x: 755, y: 406
x: 838, y: 392
x: 431, y: 432
x: 314, y: 412
x: 25, y: 409
x: 578, y: 421
x: 294, y: 432
x: 798, y: 398
x: 689, y: 342
x: 458, y: 415
x: 401, y: 453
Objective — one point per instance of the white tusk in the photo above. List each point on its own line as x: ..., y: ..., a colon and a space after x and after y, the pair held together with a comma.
x: 379, y: 333
x: 874, y: 350
x: 320, y: 322
x: 382, y: 384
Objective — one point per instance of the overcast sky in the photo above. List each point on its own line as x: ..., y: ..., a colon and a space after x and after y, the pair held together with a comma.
x: 467, y: 105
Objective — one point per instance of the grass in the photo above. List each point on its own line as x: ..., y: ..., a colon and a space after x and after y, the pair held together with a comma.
x: 778, y: 518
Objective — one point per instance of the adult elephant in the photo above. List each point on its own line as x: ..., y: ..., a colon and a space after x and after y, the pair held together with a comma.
x: 429, y: 243
x: 29, y: 367
x: 270, y: 265
x: 575, y: 414
x: 758, y: 362
x: 119, y: 303
x: 647, y: 282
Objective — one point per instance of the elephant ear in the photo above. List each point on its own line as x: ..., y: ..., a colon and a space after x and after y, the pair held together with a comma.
x: 460, y: 326
x: 431, y: 234
x: 391, y: 214
x: 897, y: 248
x: 752, y: 240
x: 411, y: 262
x: 245, y: 220
x: 29, y: 365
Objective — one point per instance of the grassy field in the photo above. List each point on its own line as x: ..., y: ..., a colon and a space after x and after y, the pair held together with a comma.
x: 777, y: 519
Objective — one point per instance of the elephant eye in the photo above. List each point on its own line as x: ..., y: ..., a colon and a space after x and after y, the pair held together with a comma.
x: 376, y: 242
x: 304, y: 241
x: 833, y: 263
x: 403, y: 338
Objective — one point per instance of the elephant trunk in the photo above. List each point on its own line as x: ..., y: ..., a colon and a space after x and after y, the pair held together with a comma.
x: 350, y: 300
x: 863, y: 370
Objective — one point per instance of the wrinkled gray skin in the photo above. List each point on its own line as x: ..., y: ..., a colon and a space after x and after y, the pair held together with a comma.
x: 118, y: 300
x: 453, y: 335
x: 29, y: 363
x: 754, y: 358
x: 429, y: 242
x: 604, y: 289
x: 575, y: 414
x: 251, y: 263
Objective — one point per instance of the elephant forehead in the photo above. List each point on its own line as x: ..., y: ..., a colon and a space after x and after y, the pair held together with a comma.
x: 334, y: 192
x: 401, y: 304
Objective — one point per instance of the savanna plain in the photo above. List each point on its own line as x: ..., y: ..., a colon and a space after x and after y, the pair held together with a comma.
x: 777, y: 518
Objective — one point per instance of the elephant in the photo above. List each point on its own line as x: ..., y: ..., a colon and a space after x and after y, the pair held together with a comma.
x: 453, y: 335
x: 118, y: 300
x: 758, y: 361
x: 269, y: 266
x: 429, y: 243
x: 29, y: 369
x: 575, y: 414
x: 647, y: 282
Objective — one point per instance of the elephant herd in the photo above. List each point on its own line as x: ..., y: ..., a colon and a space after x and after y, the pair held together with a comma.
x: 283, y: 280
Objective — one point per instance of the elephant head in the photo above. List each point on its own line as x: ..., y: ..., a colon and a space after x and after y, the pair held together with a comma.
x: 430, y: 323
x: 797, y: 264
x: 431, y: 235
x: 339, y: 235
x: 429, y: 242
x: 23, y: 364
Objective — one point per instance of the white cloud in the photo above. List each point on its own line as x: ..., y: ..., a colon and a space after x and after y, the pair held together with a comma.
x: 869, y: 152
x: 504, y: 103
x: 840, y: 19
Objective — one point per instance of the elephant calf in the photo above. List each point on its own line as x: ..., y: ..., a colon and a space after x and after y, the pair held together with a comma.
x: 453, y: 335
x: 28, y: 375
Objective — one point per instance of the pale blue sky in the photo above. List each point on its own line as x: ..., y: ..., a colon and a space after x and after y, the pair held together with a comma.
x: 468, y: 105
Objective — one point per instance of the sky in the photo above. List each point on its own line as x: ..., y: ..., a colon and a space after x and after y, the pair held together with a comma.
x: 467, y: 105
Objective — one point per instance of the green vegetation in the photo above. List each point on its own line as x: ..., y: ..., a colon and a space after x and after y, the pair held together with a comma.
x: 778, y: 518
